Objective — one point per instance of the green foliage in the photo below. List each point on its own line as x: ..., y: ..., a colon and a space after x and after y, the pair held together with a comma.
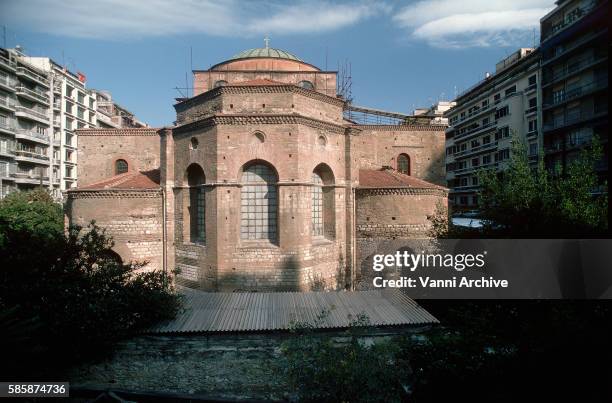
x: 71, y: 285
x: 322, y: 368
x: 532, y: 201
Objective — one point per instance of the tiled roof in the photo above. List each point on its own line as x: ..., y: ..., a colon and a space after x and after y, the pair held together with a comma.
x: 139, y: 131
x: 256, y: 82
x: 265, y: 52
x: 261, y: 311
x: 389, y: 178
x: 128, y: 180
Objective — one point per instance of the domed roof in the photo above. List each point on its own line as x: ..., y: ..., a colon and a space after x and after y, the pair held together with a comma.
x: 266, y: 52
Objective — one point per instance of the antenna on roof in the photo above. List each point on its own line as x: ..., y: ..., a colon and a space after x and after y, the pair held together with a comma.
x: 267, y: 41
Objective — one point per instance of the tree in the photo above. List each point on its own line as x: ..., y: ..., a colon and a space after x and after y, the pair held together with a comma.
x: 68, y: 289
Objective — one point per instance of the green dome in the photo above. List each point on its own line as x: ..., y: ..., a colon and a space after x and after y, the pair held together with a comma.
x: 266, y: 52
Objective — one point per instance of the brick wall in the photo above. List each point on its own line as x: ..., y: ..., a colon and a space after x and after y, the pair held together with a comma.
x: 132, y: 218
x: 99, y: 149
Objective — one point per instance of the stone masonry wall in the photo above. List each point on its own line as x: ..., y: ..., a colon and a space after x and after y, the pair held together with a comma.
x: 132, y: 218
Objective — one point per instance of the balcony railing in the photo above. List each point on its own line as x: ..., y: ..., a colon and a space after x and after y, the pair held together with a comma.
x: 475, y: 130
x: 6, y: 102
x: 531, y: 87
x: 33, y: 76
x: 572, y: 69
x: 31, y: 112
x: 576, y: 92
x: 480, y: 148
x: 533, y: 109
x: 31, y: 156
x: 569, y: 20
x: 30, y: 135
x: 32, y: 94
x: 7, y: 83
x: 572, y: 47
x: 8, y: 63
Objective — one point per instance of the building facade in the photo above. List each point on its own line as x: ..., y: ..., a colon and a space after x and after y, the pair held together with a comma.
x: 486, y: 117
x: 263, y: 184
x: 574, y: 48
x: 42, y: 104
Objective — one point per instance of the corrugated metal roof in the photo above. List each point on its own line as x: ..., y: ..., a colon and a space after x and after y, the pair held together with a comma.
x: 261, y: 311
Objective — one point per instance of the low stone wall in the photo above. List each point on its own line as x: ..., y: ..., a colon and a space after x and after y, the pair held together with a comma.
x: 224, y: 366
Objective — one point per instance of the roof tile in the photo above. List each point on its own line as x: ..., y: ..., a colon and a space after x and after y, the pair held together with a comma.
x: 128, y: 180
x: 389, y: 178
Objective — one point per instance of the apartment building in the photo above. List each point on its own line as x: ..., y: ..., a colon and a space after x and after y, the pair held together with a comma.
x: 574, y: 50
x: 25, y: 145
x: 109, y: 114
x: 41, y: 105
x: 436, y: 112
x: 485, y: 119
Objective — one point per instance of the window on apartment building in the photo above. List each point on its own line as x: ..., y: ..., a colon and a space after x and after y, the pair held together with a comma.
x: 68, y: 155
x: 463, y: 182
x: 69, y: 91
x: 463, y: 146
x: 485, y: 103
x: 475, y: 162
x: 510, y: 91
x: 462, y: 115
x: 486, y: 139
x: 403, y: 164
x: 449, y: 150
x: 91, y: 103
x: 533, y: 125
x: 474, y: 180
x: 81, y: 97
x: 463, y: 200
x: 486, y: 159
x: 81, y: 113
x: 500, y: 113
x: 68, y: 139
x: 533, y: 148
x: 475, y: 143
x: 497, y: 98
x: 486, y: 121
x: 121, y: 166
x: 259, y: 203
x: 533, y: 102
x: 68, y: 172
x: 196, y: 210
x: 532, y: 79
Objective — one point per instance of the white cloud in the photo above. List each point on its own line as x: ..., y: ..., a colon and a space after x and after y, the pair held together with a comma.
x: 473, y: 23
x: 121, y: 19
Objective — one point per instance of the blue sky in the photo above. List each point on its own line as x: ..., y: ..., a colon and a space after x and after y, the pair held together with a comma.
x: 403, y: 54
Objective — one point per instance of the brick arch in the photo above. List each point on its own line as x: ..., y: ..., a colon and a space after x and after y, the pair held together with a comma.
x: 255, y: 162
x: 326, y: 173
x: 404, y: 164
x: 132, y: 165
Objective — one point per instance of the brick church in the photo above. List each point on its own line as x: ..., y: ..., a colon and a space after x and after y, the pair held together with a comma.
x: 262, y: 183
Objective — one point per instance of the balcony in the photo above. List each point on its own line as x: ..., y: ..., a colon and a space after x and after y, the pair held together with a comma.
x: 27, y: 156
x: 476, y: 130
x: 574, y: 68
x: 32, y: 95
x: 57, y: 87
x: 483, y: 147
x: 574, y: 119
x: 532, y: 133
x: 473, y: 114
x: 7, y: 64
x: 30, y: 113
x: 575, y: 93
x: 531, y: 111
x: 7, y: 84
x: 576, y: 45
x: 57, y: 105
x: 569, y: 20
x: 32, y: 76
x: 7, y: 152
x: 27, y: 134
x: 7, y: 126
x: 6, y: 104
x: 30, y: 178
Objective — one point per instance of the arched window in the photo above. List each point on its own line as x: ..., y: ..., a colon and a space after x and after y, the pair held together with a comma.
x: 220, y: 83
x: 323, y: 202
x: 403, y: 164
x: 196, y: 210
x: 306, y: 84
x: 259, y: 203
x: 121, y: 167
